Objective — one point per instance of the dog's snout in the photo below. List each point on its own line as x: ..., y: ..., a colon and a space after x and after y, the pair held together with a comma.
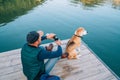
x: 85, y: 32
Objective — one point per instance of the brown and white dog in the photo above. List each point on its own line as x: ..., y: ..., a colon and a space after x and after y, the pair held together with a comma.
x: 75, y: 42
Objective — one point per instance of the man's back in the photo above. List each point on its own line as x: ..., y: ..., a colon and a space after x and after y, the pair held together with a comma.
x: 33, y: 56
x: 31, y: 65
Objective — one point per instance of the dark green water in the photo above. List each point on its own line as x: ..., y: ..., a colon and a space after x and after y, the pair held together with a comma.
x: 101, y: 18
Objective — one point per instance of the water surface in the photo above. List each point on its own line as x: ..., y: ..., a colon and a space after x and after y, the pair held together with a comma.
x: 101, y: 18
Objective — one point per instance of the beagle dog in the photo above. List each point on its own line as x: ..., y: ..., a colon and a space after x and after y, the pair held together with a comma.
x: 74, y: 42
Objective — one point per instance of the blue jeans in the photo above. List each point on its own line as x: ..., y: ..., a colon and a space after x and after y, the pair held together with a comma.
x: 50, y: 64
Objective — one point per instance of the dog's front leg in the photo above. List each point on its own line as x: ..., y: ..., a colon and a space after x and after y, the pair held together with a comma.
x: 72, y: 55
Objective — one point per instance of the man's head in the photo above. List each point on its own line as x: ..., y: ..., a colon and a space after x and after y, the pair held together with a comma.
x: 33, y: 38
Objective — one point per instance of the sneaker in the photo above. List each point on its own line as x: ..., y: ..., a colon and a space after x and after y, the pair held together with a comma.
x: 64, y: 55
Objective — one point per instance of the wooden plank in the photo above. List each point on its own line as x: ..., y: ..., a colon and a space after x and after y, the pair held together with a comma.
x: 10, y: 66
x: 87, y: 67
x: 18, y: 75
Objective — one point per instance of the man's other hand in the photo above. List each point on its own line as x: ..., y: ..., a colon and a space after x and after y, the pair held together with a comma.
x: 58, y: 42
x: 41, y: 33
x: 50, y: 36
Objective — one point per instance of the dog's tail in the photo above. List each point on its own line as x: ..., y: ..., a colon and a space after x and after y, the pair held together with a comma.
x: 64, y: 55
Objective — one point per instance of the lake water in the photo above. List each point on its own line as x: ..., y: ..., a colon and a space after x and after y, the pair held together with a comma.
x: 101, y: 18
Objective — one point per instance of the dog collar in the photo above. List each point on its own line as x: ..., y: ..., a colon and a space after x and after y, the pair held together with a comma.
x: 77, y: 35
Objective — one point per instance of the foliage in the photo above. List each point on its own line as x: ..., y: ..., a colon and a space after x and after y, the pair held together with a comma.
x: 10, y: 9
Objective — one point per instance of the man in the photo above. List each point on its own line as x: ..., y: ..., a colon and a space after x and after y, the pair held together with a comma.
x: 33, y: 55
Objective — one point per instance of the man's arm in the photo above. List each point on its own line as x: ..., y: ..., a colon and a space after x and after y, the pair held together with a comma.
x: 49, y: 36
x: 43, y: 38
x: 44, y: 54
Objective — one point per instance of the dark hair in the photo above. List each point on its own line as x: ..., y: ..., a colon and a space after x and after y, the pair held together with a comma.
x: 32, y: 37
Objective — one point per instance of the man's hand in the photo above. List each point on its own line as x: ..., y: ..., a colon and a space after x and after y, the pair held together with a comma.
x: 41, y: 33
x: 58, y: 42
x: 50, y: 36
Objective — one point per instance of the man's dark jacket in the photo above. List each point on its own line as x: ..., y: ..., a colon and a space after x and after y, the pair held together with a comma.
x: 33, y: 60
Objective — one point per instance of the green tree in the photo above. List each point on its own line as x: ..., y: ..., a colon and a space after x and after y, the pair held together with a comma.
x: 11, y: 9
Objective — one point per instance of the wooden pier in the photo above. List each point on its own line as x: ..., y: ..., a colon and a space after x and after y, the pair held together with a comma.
x: 87, y: 67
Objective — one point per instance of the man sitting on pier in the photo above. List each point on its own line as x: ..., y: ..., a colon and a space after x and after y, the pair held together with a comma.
x: 33, y: 55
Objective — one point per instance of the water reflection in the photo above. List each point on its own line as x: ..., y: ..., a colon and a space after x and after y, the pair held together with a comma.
x: 88, y: 3
x: 11, y: 9
x: 116, y: 4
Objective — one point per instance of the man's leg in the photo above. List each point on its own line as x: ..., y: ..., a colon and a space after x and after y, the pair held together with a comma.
x: 50, y: 64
